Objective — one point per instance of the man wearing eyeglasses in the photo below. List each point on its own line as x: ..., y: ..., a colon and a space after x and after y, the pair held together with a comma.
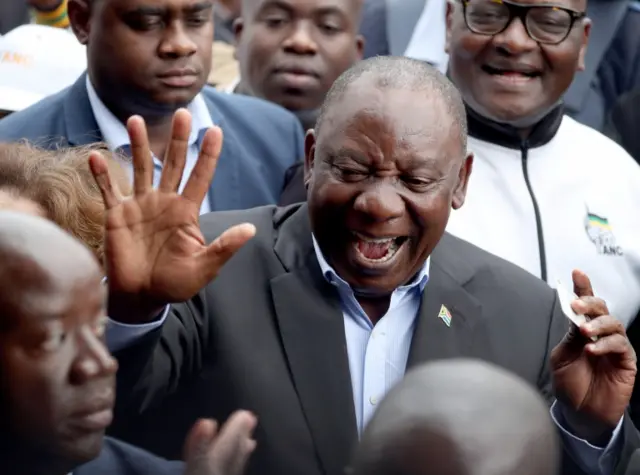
x: 547, y: 193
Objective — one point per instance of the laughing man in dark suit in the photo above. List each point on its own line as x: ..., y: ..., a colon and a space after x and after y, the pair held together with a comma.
x: 57, y: 377
x: 320, y: 313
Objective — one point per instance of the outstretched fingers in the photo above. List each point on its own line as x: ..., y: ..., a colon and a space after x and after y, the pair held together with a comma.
x: 111, y: 195
x: 202, y: 174
x: 140, y: 155
x: 176, y: 155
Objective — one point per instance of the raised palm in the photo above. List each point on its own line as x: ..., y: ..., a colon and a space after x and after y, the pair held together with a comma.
x: 154, y: 251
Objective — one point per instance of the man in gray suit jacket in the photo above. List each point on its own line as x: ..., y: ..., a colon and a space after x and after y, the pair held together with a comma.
x: 318, y: 316
x: 134, y: 71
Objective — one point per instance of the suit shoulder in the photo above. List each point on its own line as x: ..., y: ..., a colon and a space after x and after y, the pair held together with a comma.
x: 465, y: 260
x: 35, y: 123
x: 253, y: 109
x: 119, y: 457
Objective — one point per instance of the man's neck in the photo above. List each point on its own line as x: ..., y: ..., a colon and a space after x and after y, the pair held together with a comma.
x: 158, y: 121
x: 510, y: 136
x: 158, y: 126
x: 158, y: 134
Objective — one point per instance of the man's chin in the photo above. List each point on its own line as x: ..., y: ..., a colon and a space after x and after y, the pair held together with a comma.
x: 86, y: 448
x: 516, y: 113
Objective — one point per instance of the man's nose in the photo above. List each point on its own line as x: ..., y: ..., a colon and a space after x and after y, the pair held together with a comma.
x: 301, y: 41
x: 93, y: 359
x: 515, y: 39
x: 380, y: 203
x: 177, y: 42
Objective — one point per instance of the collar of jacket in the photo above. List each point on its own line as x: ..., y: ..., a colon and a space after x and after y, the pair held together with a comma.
x: 507, y: 136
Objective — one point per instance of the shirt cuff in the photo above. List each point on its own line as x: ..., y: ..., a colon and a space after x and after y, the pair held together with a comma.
x: 122, y: 335
x: 591, y: 459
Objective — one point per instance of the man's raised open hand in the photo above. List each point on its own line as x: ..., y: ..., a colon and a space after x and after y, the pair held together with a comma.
x: 155, y: 253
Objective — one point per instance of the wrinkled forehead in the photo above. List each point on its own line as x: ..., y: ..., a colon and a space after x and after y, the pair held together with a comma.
x: 390, y: 122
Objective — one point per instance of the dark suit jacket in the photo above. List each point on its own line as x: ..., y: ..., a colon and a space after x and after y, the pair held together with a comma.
x: 293, y: 190
x: 261, y: 140
x: 118, y: 458
x: 268, y: 335
x: 634, y: 464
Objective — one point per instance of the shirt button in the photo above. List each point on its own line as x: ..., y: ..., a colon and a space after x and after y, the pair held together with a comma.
x: 373, y: 400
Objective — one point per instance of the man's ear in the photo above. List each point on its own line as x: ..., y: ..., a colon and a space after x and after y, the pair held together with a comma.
x: 584, y: 44
x: 460, y: 192
x: 309, y: 156
x: 238, y: 27
x: 449, y: 22
x: 79, y: 12
x: 360, y: 42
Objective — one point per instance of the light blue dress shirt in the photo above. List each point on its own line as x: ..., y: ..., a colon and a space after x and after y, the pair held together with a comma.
x: 378, y: 358
x: 377, y: 354
x: 116, y: 137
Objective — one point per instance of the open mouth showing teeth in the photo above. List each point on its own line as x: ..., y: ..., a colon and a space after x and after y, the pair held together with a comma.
x: 505, y: 72
x: 378, y: 251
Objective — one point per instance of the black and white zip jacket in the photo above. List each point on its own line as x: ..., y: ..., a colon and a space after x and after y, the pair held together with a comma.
x: 565, y: 198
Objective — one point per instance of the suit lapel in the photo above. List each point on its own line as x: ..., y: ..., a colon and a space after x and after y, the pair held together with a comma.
x: 225, y: 189
x: 433, y: 339
x: 312, y: 330
x: 81, y: 125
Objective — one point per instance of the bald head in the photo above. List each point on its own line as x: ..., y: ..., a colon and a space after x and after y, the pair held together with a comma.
x: 459, y: 417
x: 399, y: 73
x: 41, y: 262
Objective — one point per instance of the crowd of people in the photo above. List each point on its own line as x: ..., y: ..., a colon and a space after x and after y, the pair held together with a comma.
x: 319, y: 237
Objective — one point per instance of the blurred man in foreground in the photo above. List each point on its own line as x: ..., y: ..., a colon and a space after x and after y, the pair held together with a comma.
x: 456, y: 418
x: 57, y: 377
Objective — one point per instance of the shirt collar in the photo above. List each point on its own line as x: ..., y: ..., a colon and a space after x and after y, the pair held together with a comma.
x: 330, y: 275
x: 115, y: 133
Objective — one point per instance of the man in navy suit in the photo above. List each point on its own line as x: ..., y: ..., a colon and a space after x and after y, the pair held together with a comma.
x: 149, y: 58
x: 57, y: 380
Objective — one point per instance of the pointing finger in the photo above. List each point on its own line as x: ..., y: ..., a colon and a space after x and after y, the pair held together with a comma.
x: 581, y: 284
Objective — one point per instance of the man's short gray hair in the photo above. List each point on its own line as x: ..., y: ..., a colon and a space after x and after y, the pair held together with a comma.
x: 396, y: 72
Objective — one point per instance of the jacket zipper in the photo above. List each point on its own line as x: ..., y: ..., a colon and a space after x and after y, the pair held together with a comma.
x: 524, y: 149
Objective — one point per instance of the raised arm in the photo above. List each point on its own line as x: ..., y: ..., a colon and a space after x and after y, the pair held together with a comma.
x: 155, y: 256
